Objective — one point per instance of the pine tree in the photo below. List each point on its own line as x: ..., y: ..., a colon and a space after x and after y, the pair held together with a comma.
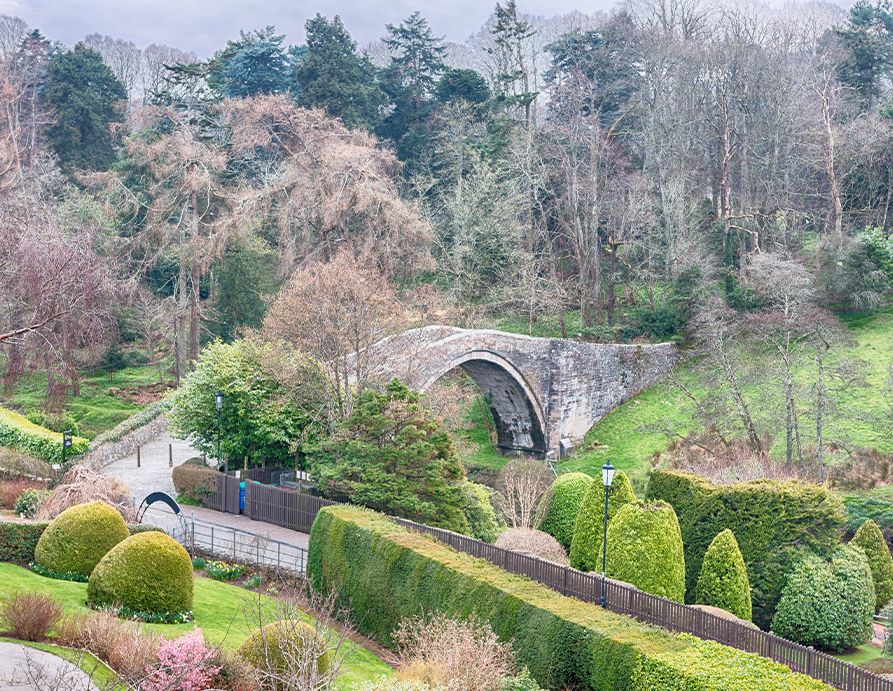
x: 409, y: 81
x: 333, y: 76
x: 723, y: 581
x: 868, y: 40
x: 85, y: 98
x: 255, y: 64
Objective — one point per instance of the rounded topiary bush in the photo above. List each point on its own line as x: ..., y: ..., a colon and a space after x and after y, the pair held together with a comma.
x: 586, y: 545
x: 723, y: 581
x: 534, y: 543
x: 870, y: 538
x: 561, y: 504
x: 79, y: 537
x: 645, y: 549
x: 285, y: 646
x: 828, y: 604
x: 147, y: 573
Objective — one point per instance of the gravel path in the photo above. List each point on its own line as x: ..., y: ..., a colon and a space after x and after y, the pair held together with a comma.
x: 154, y: 474
x: 25, y: 669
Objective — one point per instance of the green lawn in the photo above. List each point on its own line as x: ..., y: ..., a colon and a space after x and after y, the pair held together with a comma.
x: 219, y: 608
x: 631, y: 434
x: 863, y: 653
x: 103, y: 677
x: 95, y: 409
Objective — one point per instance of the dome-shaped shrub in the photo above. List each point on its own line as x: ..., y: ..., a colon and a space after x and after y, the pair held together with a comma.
x: 723, y: 581
x: 147, y: 572
x: 79, y: 537
x: 870, y: 538
x: 561, y: 504
x: 645, y: 549
x: 534, y: 543
x: 827, y: 604
x: 586, y: 545
x: 285, y: 646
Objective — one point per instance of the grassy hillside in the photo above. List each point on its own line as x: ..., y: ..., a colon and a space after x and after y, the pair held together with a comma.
x: 631, y: 434
x: 106, y: 398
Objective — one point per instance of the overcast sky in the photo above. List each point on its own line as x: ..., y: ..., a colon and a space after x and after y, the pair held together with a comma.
x: 205, y: 25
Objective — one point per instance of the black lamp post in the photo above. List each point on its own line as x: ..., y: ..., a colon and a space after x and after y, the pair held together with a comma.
x: 607, y: 479
x: 218, y: 401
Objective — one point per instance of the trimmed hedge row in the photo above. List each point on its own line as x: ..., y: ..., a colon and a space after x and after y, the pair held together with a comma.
x: 195, y: 482
x: 586, y: 545
x: 770, y: 519
x: 872, y: 542
x: 384, y: 573
x: 19, y: 540
x: 18, y: 432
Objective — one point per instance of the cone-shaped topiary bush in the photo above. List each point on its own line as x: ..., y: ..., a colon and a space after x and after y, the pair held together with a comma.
x: 148, y: 573
x: 78, y: 538
x: 561, y: 504
x: 870, y: 538
x: 723, y: 581
x: 285, y: 647
x: 645, y: 549
x: 825, y: 603
x: 586, y: 545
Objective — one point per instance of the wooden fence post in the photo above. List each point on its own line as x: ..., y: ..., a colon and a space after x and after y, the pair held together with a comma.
x: 170, y: 455
x: 137, y: 457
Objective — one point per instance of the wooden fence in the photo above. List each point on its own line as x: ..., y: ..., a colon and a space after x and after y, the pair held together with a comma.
x: 278, y: 505
x: 666, y: 613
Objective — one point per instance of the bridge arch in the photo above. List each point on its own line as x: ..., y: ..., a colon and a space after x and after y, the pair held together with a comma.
x: 516, y: 409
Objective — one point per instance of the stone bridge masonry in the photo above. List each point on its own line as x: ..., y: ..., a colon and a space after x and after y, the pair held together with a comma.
x: 540, y: 390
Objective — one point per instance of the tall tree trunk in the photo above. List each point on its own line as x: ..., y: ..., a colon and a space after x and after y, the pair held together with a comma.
x: 826, y: 95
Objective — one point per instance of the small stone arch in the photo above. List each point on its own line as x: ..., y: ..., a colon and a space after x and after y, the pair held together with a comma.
x: 516, y: 409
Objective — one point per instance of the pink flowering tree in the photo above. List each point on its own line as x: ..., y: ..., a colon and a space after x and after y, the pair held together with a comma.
x: 184, y: 664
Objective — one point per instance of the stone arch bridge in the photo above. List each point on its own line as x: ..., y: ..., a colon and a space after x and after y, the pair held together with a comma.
x: 540, y: 390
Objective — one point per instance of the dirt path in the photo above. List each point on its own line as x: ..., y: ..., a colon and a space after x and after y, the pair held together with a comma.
x: 24, y: 669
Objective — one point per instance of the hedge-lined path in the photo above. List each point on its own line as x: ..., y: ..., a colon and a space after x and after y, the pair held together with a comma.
x: 24, y: 669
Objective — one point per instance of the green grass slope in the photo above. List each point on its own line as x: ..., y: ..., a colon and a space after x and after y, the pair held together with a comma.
x: 220, y: 611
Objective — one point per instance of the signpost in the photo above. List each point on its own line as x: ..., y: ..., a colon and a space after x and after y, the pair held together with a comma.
x: 66, y: 444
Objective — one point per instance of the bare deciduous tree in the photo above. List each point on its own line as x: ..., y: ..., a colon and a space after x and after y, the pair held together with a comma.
x: 521, y: 484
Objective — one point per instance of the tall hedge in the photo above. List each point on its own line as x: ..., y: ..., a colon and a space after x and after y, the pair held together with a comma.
x: 723, y: 581
x: 769, y: 518
x: 645, y: 549
x: 384, y: 573
x: 561, y: 504
x: 826, y: 603
x: 586, y: 545
x: 870, y: 538
x: 19, y: 540
x: 18, y: 432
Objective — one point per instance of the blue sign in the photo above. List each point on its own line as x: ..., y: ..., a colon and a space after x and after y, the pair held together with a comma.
x: 241, y: 496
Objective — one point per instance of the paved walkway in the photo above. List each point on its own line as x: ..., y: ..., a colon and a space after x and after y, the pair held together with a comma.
x: 154, y: 475
x: 26, y: 669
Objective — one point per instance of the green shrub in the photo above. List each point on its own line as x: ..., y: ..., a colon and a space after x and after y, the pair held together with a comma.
x: 645, y: 549
x: 17, y: 432
x: 55, y: 422
x: 79, y: 537
x: 134, y: 528
x: 483, y: 521
x: 393, y: 456
x: 860, y: 508
x: 29, y: 501
x: 586, y: 545
x: 768, y: 517
x: 827, y: 604
x: 723, y: 581
x: 871, y: 540
x: 277, y: 647
x: 19, y: 540
x: 561, y: 504
x: 195, y: 483
x: 147, y: 572
x: 383, y: 574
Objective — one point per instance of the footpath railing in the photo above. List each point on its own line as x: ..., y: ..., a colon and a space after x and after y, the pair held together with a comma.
x: 665, y: 613
x: 240, y: 546
x: 295, y: 510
